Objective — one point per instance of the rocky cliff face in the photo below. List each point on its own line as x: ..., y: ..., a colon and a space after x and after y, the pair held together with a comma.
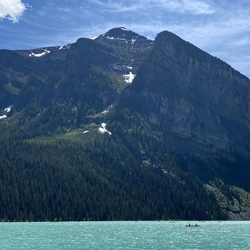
x: 198, y: 101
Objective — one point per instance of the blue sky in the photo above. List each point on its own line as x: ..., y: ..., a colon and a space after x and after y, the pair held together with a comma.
x: 220, y: 27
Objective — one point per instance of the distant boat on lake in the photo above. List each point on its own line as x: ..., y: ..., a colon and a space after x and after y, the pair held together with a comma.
x: 189, y: 225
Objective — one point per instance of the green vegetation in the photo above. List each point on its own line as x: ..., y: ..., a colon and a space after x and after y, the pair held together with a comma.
x: 95, y: 179
x: 55, y: 174
x: 230, y: 198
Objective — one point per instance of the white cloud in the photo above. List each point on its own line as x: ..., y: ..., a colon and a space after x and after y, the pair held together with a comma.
x: 224, y: 31
x: 11, y: 9
x: 117, y: 6
x: 195, y: 7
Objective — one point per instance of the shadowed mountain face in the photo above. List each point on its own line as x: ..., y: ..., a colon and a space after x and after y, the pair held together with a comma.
x: 153, y: 123
x: 98, y: 64
x: 199, y: 102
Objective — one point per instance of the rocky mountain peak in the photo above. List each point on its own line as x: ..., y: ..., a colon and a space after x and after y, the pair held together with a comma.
x: 124, y: 38
x: 123, y: 33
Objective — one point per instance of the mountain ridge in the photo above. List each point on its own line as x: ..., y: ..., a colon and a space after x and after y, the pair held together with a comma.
x: 140, y: 112
x: 185, y: 85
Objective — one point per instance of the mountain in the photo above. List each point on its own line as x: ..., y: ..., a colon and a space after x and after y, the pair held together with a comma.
x: 199, y: 103
x: 120, y: 127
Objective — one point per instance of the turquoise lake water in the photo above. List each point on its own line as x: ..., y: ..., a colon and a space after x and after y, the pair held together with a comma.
x: 124, y: 235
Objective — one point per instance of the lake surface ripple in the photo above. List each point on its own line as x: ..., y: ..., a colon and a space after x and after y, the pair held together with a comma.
x: 124, y: 235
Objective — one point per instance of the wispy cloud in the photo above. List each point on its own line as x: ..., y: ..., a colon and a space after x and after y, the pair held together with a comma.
x: 11, y: 9
x: 196, y: 7
x: 182, y: 6
x: 226, y: 29
x: 117, y: 6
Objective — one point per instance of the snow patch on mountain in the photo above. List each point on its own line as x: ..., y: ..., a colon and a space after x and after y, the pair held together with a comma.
x: 133, y: 41
x: 129, y: 67
x: 125, y: 29
x: 8, y: 109
x: 39, y: 54
x: 129, y: 77
x: 67, y: 46
x: 3, y: 116
x: 95, y: 37
x: 103, y: 129
x: 107, y: 110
